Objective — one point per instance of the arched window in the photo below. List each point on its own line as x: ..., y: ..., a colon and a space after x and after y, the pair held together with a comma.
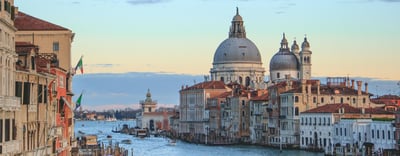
x: 247, y: 81
x: 341, y: 100
x: 296, y: 99
x: 354, y: 100
x: 296, y: 111
x: 278, y: 75
x: 240, y: 80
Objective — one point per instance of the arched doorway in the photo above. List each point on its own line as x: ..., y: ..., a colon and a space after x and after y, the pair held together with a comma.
x: 151, y: 125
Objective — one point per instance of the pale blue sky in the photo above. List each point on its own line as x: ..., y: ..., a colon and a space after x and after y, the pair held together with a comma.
x: 347, y: 37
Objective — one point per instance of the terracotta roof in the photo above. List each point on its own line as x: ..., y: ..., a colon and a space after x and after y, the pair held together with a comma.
x: 263, y: 97
x: 334, y: 108
x: 329, y: 90
x: 377, y: 110
x: 391, y: 97
x: 223, y: 95
x: 207, y: 85
x: 24, y: 21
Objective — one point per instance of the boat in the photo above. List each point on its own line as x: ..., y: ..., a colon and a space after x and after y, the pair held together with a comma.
x: 80, y: 132
x: 126, y: 141
x: 172, y: 142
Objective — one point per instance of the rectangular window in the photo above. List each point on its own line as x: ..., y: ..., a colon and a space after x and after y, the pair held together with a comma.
x: 40, y: 93
x: 1, y: 131
x: 18, y: 89
x: 388, y: 135
x: 56, y: 46
x: 27, y: 93
x: 383, y: 134
x: 7, y: 130
x: 14, y: 130
x: 45, y: 94
x: 377, y: 134
x: 372, y: 133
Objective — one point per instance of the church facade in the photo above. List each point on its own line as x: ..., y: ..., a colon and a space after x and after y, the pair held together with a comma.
x: 237, y: 59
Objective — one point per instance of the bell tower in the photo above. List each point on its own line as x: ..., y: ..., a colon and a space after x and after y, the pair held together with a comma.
x: 305, y: 60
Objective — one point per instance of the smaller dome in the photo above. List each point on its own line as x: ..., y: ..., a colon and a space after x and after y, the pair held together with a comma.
x: 284, y: 60
x: 295, y: 46
x: 305, y: 44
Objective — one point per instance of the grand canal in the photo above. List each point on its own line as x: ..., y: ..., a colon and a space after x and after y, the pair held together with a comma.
x: 158, y: 146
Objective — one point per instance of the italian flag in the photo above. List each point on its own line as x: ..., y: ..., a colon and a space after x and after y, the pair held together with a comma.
x: 79, y: 65
x: 78, y: 102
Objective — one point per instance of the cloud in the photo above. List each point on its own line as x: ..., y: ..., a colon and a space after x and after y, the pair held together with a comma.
x: 390, y: 0
x: 140, y: 2
x: 102, y: 65
x: 76, y: 2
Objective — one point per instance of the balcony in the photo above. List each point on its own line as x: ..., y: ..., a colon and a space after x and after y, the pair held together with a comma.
x: 257, y: 113
x: 11, y: 147
x: 9, y: 103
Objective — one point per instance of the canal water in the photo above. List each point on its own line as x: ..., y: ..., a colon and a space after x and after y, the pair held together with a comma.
x: 158, y: 146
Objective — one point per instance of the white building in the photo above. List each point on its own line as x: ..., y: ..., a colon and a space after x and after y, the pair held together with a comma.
x: 150, y: 118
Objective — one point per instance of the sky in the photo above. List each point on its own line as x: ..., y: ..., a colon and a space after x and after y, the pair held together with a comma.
x: 356, y: 38
x: 163, y: 44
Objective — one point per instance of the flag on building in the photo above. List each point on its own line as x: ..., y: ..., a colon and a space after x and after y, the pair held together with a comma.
x: 78, y: 102
x: 79, y: 65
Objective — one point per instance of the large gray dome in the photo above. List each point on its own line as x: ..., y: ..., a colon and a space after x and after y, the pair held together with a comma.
x: 284, y: 60
x: 237, y: 50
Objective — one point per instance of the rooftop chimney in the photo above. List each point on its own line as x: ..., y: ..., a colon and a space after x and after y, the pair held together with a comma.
x: 352, y: 84
x: 359, y: 83
x: 318, y: 87
x: 366, y: 87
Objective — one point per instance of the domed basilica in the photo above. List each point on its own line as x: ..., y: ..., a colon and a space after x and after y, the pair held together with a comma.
x: 237, y: 59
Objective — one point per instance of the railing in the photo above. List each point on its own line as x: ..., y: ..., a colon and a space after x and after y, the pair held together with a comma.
x: 257, y: 113
x: 9, y: 103
x: 11, y: 147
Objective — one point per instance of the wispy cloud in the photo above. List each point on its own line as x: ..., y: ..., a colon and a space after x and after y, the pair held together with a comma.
x: 390, y: 0
x: 102, y: 65
x: 140, y: 2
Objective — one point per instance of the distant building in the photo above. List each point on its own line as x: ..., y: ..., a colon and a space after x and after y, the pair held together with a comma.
x: 388, y: 100
x: 151, y: 118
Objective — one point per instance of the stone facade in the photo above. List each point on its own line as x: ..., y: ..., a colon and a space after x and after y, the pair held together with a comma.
x: 10, y: 105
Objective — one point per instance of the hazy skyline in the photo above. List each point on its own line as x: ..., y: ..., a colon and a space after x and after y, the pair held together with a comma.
x: 348, y: 38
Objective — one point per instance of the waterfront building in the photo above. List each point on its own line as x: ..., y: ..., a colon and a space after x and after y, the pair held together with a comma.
x: 10, y: 105
x: 369, y: 136
x: 342, y: 128
x: 150, y: 118
x: 258, y: 105
x: 36, y: 119
x: 237, y: 59
x: 397, y: 125
x: 311, y: 94
x: 214, y: 106
x: 192, y: 109
x: 238, y: 118
x: 55, y: 48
